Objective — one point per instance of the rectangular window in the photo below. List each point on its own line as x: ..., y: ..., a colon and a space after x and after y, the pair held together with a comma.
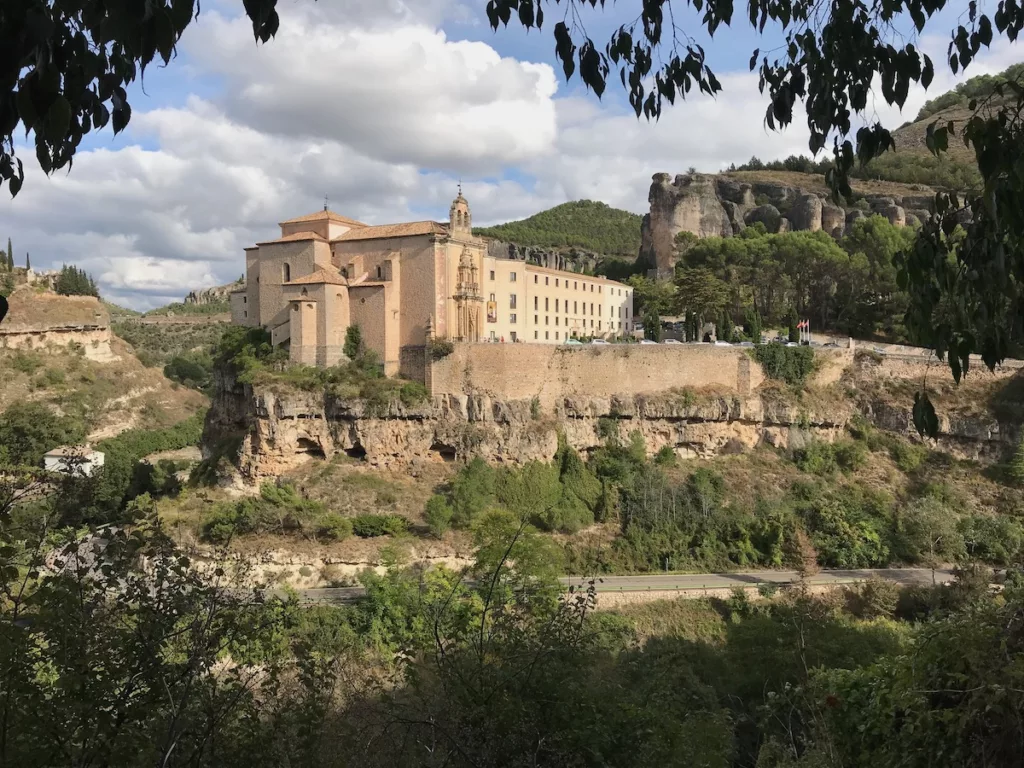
x: 512, y: 301
x: 574, y: 286
x: 547, y: 335
x: 591, y: 322
x: 536, y: 334
x: 534, y: 279
x: 513, y: 335
x: 575, y: 309
x: 492, y: 274
x: 512, y: 278
x: 556, y: 319
x: 556, y: 305
x: 492, y: 297
x: 245, y: 313
x: 535, y: 302
x: 556, y: 335
x: 598, y: 287
x: 591, y: 287
x: 591, y: 307
x: 245, y: 299
x: 546, y: 303
x: 599, y: 325
x: 546, y: 318
x: 535, y: 320
x: 512, y: 317
x: 546, y: 280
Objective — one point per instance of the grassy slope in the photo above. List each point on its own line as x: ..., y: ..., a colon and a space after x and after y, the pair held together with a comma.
x: 156, y: 343
x: 112, y: 396
x: 582, y: 223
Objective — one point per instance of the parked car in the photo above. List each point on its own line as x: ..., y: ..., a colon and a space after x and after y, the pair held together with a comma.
x: 573, y: 342
x: 671, y: 341
x: 880, y: 350
x: 746, y: 343
x: 598, y: 341
x: 792, y: 344
x: 647, y: 341
x: 722, y: 344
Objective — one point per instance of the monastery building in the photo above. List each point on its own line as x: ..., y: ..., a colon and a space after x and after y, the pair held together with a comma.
x: 404, y: 283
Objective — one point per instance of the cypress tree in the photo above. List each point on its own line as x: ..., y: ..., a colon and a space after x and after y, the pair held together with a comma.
x: 28, y: 261
x: 10, y: 256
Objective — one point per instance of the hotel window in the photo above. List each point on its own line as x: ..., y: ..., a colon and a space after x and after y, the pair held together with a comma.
x: 512, y: 317
x: 547, y: 335
x: 535, y: 320
x: 546, y: 318
x: 545, y: 280
x: 591, y: 287
x: 556, y: 319
x: 591, y: 322
x: 599, y: 325
x: 534, y: 279
x: 556, y: 283
x: 492, y: 297
x: 536, y: 301
x: 556, y: 335
x: 575, y: 309
x: 513, y: 336
x: 546, y: 302
x: 591, y: 307
x: 536, y: 334
x: 556, y: 305
x: 512, y: 301
x: 598, y: 287
x: 492, y: 274
x: 574, y: 286
x: 512, y: 277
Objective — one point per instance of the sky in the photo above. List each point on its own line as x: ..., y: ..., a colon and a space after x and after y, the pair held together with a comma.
x: 382, y: 106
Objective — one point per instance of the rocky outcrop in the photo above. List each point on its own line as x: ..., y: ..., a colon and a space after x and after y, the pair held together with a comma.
x: 722, y: 206
x: 218, y: 294
x: 570, y: 259
x: 279, y: 431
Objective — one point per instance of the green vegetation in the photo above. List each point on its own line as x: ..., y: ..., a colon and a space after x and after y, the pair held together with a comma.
x: 28, y: 430
x: 279, y: 509
x: 180, y: 308
x: 583, y: 224
x: 793, y: 365
x: 973, y: 89
x: 158, y: 344
x: 249, y: 353
x: 73, y: 281
x: 847, y: 286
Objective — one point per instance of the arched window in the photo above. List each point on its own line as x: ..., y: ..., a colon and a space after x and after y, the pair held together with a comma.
x: 286, y: 272
x: 380, y: 273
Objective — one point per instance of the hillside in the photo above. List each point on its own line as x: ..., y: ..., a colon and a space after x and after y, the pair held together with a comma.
x: 587, y: 224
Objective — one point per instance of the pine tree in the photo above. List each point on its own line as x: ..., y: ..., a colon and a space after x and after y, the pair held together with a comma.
x: 73, y: 281
x: 10, y: 256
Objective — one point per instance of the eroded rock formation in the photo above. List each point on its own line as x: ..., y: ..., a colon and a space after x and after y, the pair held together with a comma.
x: 218, y: 294
x: 570, y: 260
x: 719, y: 205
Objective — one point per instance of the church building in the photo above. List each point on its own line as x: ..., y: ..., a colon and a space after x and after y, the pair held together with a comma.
x: 401, y: 282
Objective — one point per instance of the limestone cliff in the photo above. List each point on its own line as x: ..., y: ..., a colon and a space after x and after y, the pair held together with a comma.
x: 570, y: 259
x: 723, y: 205
x: 218, y: 294
x: 277, y: 431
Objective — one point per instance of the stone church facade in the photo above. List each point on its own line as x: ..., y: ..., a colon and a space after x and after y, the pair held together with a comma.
x: 401, y: 283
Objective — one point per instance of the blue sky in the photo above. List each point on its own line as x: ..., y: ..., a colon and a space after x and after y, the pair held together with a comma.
x: 382, y: 105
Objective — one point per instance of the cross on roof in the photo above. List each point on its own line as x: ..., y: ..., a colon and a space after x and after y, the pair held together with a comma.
x: 325, y: 202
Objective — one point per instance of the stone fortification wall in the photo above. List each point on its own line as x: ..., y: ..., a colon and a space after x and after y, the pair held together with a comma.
x: 553, y: 373
x: 37, y: 320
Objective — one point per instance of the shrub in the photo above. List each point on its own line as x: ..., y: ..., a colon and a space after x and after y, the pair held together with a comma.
x: 849, y: 455
x: 817, y: 459
x: 353, y: 342
x: 28, y: 430
x: 305, y: 571
x: 438, y: 515
x: 334, y: 527
x: 875, y: 598
x: 370, y: 526
x: 535, y: 408
x: 665, y: 457
x: 440, y: 348
x: 908, y: 456
x: 792, y: 365
x: 26, y: 362
x: 1016, y: 467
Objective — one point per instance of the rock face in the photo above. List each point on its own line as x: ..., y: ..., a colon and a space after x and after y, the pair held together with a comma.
x: 722, y: 206
x: 278, y: 432
x: 218, y: 294
x: 570, y: 260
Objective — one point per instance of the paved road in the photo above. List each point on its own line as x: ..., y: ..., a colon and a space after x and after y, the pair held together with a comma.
x: 695, y: 581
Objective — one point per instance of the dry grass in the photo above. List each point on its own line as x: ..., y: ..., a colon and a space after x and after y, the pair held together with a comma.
x: 686, y: 619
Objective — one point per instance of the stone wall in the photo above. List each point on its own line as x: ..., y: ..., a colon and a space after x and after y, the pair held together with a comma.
x: 94, y: 341
x: 552, y: 373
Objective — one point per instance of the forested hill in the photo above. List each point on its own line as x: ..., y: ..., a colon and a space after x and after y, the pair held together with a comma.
x: 976, y: 88
x: 582, y: 223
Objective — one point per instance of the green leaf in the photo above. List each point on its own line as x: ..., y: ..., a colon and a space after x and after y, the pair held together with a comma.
x: 58, y: 120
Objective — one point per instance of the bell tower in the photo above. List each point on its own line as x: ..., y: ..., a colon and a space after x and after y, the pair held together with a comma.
x: 459, y: 218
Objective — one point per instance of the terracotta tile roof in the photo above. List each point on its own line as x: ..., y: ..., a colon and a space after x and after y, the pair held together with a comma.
x: 382, y: 231
x: 319, y: 277
x: 322, y: 216
x: 296, y: 238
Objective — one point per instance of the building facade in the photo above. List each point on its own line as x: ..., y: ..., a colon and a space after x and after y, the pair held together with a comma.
x: 402, y: 282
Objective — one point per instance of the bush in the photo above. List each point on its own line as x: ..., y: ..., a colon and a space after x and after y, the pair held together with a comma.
x: 440, y: 348
x: 875, y: 599
x: 334, y: 527
x: 26, y: 362
x: 817, y: 459
x: 353, y: 342
x: 908, y: 456
x: 438, y: 515
x: 370, y: 526
x: 28, y: 430
x: 792, y: 365
x: 193, y: 369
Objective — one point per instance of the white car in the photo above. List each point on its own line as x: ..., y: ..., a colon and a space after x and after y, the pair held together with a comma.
x: 598, y: 341
x: 792, y: 344
x: 573, y: 342
x: 647, y: 341
x: 671, y: 341
x: 722, y: 344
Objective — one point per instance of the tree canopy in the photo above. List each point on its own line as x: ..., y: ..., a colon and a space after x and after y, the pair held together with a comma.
x: 73, y: 281
x: 583, y: 223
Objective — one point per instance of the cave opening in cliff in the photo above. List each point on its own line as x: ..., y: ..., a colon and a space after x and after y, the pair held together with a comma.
x: 356, y: 452
x: 312, y: 447
x: 446, y: 452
